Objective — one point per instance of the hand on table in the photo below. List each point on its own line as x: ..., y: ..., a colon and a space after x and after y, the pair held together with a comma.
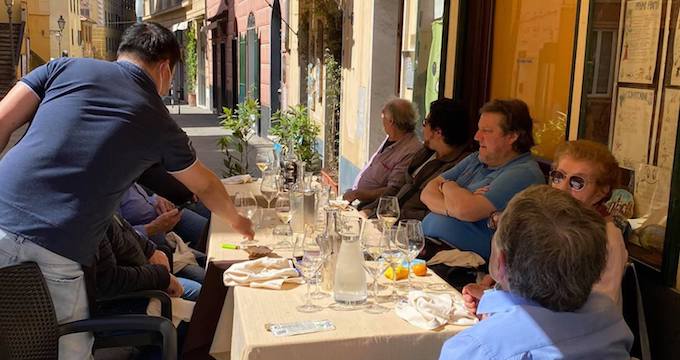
x: 175, y: 289
x: 350, y: 195
x: 243, y: 226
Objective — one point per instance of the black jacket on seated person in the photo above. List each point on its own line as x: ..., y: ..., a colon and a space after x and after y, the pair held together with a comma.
x: 122, y: 264
x: 408, y: 194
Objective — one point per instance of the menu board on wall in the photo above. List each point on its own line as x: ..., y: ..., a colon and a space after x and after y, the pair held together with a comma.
x: 640, y: 41
x: 675, y: 71
x: 634, y: 108
x: 669, y: 128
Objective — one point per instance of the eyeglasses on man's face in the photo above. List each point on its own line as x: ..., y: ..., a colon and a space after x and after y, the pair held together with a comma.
x: 576, y: 182
x: 494, y: 218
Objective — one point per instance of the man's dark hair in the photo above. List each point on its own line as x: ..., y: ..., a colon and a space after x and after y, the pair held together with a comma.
x: 555, y: 247
x: 451, y: 117
x: 151, y: 43
x: 516, y: 119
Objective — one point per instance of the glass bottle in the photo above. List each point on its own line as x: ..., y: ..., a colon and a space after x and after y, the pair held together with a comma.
x: 289, y: 167
x: 330, y: 238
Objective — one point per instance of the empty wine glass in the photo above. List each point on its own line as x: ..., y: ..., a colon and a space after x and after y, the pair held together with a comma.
x: 326, y: 249
x: 282, y: 208
x: 388, y: 211
x: 264, y: 159
x: 308, y: 265
x: 394, y: 258
x: 246, y: 205
x: 372, y: 244
x: 410, y: 241
x: 268, y: 187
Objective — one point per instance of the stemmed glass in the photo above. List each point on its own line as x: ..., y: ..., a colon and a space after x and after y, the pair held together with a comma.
x: 372, y: 244
x: 388, y: 211
x: 264, y: 159
x: 246, y: 205
x: 394, y: 258
x: 268, y: 187
x: 282, y: 207
x: 410, y: 241
x: 326, y: 250
x: 308, y: 265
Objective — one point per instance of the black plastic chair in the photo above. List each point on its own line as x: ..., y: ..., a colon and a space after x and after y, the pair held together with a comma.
x: 634, y: 313
x: 28, y: 323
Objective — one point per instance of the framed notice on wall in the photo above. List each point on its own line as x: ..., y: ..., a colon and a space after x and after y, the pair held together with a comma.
x: 640, y: 41
x: 634, y: 109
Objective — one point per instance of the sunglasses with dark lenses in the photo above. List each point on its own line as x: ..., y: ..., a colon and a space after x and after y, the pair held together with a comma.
x: 576, y: 183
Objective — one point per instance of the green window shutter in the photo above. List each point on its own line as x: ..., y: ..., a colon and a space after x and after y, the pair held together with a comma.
x: 256, y: 68
x: 241, y: 68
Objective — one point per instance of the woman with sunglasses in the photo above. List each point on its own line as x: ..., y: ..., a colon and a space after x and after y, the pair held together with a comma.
x: 589, y: 172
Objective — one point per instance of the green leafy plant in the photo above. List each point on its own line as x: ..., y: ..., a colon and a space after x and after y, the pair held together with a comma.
x: 190, y: 59
x: 241, y: 123
x: 294, y: 126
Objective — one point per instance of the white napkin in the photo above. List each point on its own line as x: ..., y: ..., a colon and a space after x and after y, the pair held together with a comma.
x: 237, y: 179
x: 266, y: 272
x: 430, y: 311
x: 457, y: 258
x: 181, y: 309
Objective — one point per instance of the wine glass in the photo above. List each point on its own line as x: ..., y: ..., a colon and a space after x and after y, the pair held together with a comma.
x: 308, y: 265
x: 268, y: 187
x: 388, y: 211
x: 372, y: 244
x: 410, y: 241
x: 282, y: 208
x: 394, y: 258
x: 264, y: 160
x: 326, y: 249
x: 246, y: 205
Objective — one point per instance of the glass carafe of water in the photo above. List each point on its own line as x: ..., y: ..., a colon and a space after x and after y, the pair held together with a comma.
x: 349, y: 287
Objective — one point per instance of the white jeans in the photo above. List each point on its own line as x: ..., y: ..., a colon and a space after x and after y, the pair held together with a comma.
x: 65, y: 282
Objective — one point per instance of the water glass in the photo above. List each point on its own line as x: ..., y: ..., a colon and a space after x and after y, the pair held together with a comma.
x: 373, y: 243
x: 246, y: 205
x: 308, y: 266
x: 410, y: 241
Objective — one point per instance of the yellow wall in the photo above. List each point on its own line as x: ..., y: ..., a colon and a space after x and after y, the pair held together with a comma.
x: 16, y: 12
x: 292, y: 65
x: 408, y: 44
x: 356, y: 80
x: 532, y: 58
x: 451, y: 49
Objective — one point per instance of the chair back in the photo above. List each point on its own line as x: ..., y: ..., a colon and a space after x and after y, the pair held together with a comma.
x: 28, y: 323
x: 634, y: 313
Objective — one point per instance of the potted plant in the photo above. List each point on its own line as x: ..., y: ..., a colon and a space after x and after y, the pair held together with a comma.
x: 241, y: 123
x: 190, y: 60
x: 294, y: 126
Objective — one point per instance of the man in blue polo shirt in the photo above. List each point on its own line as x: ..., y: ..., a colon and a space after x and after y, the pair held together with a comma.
x: 462, y: 199
x: 95, y: 127
x: 546, y: 255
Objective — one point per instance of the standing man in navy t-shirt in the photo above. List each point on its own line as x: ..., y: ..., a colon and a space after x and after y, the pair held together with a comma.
x: 96, y: 126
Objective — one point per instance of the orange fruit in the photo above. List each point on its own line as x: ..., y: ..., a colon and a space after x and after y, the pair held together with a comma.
x: 420, y: 269
x: 402, y: 273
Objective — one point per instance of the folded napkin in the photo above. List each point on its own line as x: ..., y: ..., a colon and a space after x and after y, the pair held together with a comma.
x: 237, y: 179
x: 457, y: 258
x: 181, y: 309
x: 430, y: 311
x: 264, y: 272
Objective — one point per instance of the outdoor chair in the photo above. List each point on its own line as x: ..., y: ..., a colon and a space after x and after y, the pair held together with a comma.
x: 28, y: 323
x: 634, y: 313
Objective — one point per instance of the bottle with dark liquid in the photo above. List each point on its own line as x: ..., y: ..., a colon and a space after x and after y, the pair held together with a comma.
x: 289, y: 167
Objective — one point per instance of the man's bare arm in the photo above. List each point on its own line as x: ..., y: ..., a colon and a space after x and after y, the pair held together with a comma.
x: 432, y: 197
x: 465, y: 205
x: 16, y: 109
x: 203, y: 182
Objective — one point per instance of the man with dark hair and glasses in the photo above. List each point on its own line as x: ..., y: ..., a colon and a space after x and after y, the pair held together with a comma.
x: 95, y: 127
x: 446, y: 136
x: 462, y: 198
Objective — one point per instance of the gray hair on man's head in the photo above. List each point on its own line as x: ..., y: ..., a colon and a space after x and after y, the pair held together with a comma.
x: 555, y: 248
x: 403, y: 113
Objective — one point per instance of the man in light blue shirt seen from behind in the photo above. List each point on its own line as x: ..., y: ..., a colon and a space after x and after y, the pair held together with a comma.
x: 546, y: 255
